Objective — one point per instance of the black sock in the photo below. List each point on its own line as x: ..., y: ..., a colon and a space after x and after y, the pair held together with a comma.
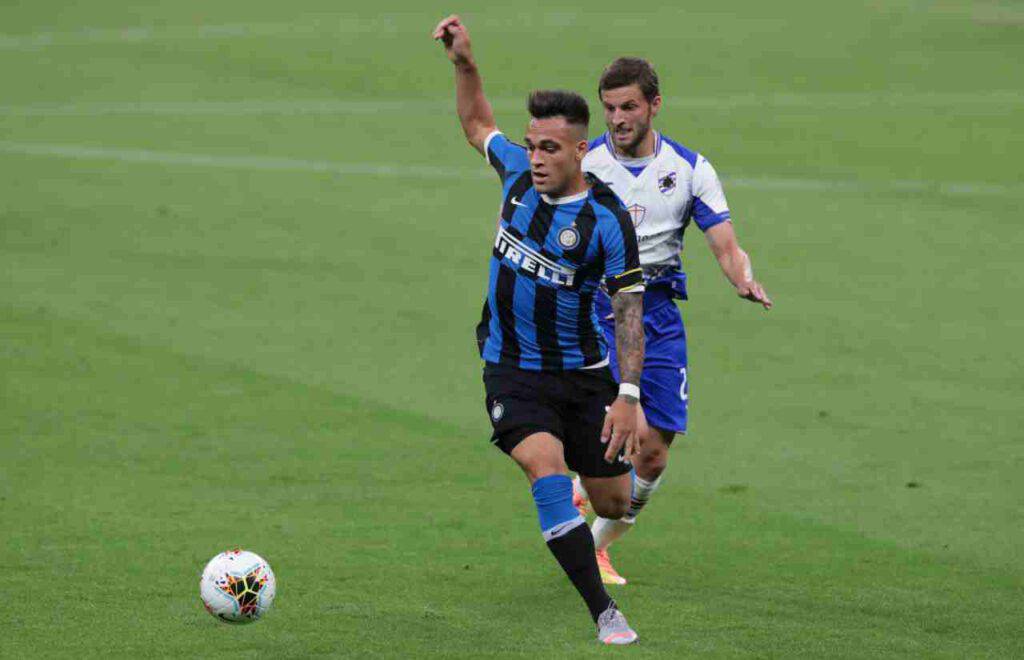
x: 575, y: 552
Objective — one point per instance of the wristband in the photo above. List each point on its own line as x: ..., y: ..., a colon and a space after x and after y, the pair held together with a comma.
x: 629, y: 389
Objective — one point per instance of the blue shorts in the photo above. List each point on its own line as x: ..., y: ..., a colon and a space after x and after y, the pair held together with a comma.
x: 663, y: 387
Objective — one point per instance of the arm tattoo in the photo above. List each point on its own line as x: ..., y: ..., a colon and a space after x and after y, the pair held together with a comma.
x: 629, y: 335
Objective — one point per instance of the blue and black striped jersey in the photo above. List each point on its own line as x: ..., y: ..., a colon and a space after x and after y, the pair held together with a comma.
x: 549, y: 258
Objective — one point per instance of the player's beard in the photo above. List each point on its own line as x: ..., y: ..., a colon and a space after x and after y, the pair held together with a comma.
x: 640, y: 131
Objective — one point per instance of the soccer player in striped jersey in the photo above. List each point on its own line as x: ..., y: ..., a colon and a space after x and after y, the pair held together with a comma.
x: 550, y: 394
x: 664, y: 186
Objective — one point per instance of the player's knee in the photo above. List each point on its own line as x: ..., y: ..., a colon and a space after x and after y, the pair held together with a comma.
x: 540, y: 466
x: 613, y: 506
x: 539, y: 455
x: 540, y: 470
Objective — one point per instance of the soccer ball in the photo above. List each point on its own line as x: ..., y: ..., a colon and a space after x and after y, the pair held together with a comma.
x: 237, y: 586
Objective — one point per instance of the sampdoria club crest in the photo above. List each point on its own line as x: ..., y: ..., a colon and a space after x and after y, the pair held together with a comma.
x: 666, y: 182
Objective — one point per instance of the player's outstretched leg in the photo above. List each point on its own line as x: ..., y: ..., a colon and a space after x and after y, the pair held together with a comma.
x: 569, y: 540
x: 567, y: 535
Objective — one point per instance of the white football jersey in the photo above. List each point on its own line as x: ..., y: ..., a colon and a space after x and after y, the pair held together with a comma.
x: 662, y: 193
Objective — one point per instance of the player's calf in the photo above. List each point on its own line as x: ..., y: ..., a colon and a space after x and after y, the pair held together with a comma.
x: 609, y: 496
x: 613, y: 506
x: 652, y: 459
x: 648, y: 466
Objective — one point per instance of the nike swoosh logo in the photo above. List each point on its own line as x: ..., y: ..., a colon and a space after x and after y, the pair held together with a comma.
x: 516, y: 202
x: 558, y: 529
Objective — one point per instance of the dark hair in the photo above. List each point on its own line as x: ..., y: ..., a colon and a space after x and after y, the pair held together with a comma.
x: 546, y: 103
x: 627, y: 71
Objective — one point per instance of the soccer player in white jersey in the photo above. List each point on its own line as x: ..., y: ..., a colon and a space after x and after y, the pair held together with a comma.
x: 666, y: 187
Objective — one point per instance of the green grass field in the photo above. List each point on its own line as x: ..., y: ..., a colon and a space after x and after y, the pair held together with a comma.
x: 243, y: 248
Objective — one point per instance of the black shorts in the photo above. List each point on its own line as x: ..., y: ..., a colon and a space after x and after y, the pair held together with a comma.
x: 570, y: 405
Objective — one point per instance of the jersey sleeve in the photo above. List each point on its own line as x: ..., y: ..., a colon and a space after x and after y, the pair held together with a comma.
x: 506, y: 157
x: 709, y: 205
x: 621, y: 255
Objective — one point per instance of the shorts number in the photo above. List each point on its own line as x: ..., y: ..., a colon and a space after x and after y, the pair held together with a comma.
x: 684, y: 391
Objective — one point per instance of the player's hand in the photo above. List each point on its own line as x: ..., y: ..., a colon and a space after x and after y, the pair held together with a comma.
x: 453, y: 34
x: 753, y: 291
x: 621, y: 429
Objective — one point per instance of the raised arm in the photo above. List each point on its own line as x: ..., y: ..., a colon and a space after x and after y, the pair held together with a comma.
x: 474, y: 110
x: 736, y: 264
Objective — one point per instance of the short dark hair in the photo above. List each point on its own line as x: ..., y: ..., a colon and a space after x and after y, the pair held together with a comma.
x: 546, y: 103
x: 627, y: 71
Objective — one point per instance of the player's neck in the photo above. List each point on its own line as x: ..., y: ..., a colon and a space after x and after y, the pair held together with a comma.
x: 643, y: 149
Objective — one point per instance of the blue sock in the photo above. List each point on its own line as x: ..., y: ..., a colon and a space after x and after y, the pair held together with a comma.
x: 569, y: 540
x: 557, y: 515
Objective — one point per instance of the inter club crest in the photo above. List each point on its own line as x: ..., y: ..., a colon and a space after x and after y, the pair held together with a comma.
x: 568, y: 238
x: 666, y: 182
x: 639, y: 213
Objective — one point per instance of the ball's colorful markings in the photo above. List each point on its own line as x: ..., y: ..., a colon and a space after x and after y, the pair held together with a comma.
x: 245, y: 590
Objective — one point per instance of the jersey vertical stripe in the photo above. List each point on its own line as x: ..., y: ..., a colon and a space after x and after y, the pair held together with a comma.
x: 592, y: 347
x: 627, y: 234
x: 483, y: 328
x: 540, y: 225
x: 504, y: 297
x: 585, y: 223
x: 516, y: 191
x: 545, y: 315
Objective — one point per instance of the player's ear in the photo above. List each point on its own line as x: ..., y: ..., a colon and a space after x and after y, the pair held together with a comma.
x: 581, y: 149
x: 655, y: 105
